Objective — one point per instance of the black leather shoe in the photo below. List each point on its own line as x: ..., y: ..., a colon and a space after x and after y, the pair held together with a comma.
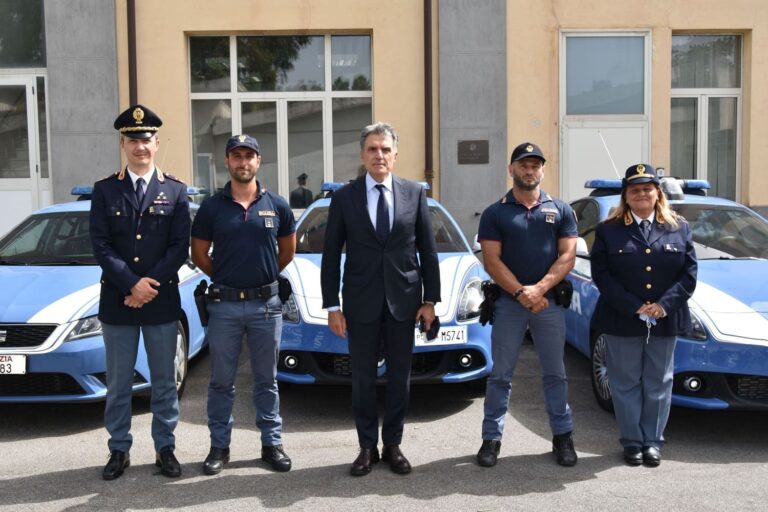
x: 276, y: 457
x: 562, y: 447
x: 215, y: 461
x: 362, y: 464
x: 651, y: 456
x: 117, y: 463
x: 489, y: 453
x: 397, y: 461
x: 633, y: 455
x: 167, y: 462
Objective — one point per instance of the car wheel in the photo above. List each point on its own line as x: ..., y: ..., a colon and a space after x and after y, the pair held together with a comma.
x: 181, y: 360
x: 600, y: 385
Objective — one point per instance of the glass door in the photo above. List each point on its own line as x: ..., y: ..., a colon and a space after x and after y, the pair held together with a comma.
x: 24, y: 180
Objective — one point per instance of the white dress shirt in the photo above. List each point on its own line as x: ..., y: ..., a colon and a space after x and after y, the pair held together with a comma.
x: 147, y: 177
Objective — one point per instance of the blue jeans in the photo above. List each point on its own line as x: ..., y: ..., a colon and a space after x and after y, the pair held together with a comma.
x: 641, y: 377
x: 261, y: 322
x: 511, y: 320
x: 122, y: 344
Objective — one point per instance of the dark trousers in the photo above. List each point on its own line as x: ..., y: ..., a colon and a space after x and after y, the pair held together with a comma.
x: 366, y: 340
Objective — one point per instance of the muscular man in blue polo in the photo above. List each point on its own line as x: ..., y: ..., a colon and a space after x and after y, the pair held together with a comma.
x: 529, y: 245
x: 253, y: 235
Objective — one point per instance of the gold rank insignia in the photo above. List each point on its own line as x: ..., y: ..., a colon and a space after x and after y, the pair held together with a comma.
x: 529, y: 148
x: 138, y: 115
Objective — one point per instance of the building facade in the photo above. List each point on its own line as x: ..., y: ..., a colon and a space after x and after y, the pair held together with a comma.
x: 598, y: 84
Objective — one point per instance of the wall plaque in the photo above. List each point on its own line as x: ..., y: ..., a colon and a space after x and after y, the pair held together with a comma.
x: 473, y: 152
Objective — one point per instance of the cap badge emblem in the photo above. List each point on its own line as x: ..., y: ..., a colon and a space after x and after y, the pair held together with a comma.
x: 138, y: 115
x: 641, y: 169
x: 241, y: 138
x: 529, y: 148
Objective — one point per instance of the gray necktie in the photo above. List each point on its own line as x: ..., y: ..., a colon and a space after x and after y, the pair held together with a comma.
x: 645, y: 227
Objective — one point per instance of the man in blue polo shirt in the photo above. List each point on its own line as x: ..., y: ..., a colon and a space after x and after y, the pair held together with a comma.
x: 253, y: 235
x: 529, y: 246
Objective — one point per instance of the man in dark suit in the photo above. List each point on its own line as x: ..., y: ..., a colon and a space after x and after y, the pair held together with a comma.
x: 139, y: 226
x: 385, y: 223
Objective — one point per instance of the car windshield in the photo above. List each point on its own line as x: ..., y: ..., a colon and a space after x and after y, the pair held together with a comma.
x: 52, y: 239
x: 725, y: 232
x: 310, y: 233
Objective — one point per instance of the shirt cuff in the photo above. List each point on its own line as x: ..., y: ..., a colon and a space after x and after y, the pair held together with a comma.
x: 429, y: 302
x: 333, y: 308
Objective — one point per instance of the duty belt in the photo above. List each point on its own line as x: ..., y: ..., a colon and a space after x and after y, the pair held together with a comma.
x: 216, y: 294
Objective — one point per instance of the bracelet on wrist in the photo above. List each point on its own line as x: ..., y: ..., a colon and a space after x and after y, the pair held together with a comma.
x: 517, y: 293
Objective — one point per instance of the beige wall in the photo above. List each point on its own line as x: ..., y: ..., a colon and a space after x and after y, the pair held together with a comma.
x: 533, y: 69
x: 397, y: 27
x: 163, y: 70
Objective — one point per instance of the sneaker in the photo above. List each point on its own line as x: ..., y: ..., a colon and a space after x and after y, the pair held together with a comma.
x: 562, y: 447
x: 489, y: 452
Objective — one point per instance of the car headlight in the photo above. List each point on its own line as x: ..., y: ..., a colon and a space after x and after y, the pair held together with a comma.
x: 697, y: 331
x: 85, y: 328
x: 290, y: 311
x: 469, y: 303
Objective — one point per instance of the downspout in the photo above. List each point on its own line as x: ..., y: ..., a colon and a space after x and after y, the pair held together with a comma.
x: 429, y: 173
x: 132, y: 94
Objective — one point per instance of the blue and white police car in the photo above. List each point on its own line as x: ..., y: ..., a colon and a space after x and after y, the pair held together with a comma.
x: 723, y: 361
x: 311, y: 354
x: 51, y: 345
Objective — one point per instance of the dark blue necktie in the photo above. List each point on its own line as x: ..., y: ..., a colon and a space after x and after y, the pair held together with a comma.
x: 382, y: 215
x: 140, y: 191
x: 645, y: 227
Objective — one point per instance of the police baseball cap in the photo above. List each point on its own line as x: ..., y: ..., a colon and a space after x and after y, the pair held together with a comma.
x: 640, y: 173
x: 243, y: 141
x: 138, y: 122
x: 527, y: 150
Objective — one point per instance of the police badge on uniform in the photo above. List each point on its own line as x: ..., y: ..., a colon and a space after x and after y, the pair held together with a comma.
x: 269, y: 222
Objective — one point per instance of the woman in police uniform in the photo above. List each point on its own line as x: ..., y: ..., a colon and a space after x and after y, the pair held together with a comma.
x: 644, y: 264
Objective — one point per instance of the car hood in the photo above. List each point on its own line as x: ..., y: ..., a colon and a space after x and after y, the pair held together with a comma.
x: 304, y: 273
x: 50, y: 295
x: 733, y: 295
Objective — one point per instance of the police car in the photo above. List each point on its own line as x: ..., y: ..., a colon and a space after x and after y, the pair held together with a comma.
x: 311, y: 354
x: 51, y: 345
x: 723, y: 361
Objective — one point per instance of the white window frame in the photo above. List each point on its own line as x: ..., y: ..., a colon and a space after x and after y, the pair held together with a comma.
x: 703, y: 95
x: 281, y: 98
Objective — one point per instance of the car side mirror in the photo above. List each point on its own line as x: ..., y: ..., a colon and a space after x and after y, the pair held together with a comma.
x: 581, y: 247
x: 476, y: 247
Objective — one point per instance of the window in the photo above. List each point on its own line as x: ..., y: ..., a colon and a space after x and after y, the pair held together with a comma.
x: 706, y: 110
x: 22, y: 35
x: 605, y: 75
x: 305, y: 98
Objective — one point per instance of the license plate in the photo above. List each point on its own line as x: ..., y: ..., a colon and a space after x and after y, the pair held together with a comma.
x: 454, y: 335
x: 13, y: 364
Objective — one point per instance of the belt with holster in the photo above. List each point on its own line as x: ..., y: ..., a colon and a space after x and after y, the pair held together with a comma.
x: 265, y: 292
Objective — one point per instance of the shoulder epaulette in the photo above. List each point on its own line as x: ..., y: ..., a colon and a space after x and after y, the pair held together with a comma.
x: 162, y: 174
x: 115, y: 174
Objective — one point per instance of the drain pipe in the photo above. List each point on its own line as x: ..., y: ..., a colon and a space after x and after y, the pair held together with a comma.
x: 132, y: 94
x: 429, y: 173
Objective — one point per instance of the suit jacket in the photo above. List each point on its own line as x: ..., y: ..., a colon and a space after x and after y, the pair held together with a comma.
x: 131, y: 241
x: 375, y: 272
x: 630, y: 271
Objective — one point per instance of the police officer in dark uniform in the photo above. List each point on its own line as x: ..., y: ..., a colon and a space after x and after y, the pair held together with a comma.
x: 139, y: 225
x: 252, y: 231
x: 529, y: 246
x: 644, y: 264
